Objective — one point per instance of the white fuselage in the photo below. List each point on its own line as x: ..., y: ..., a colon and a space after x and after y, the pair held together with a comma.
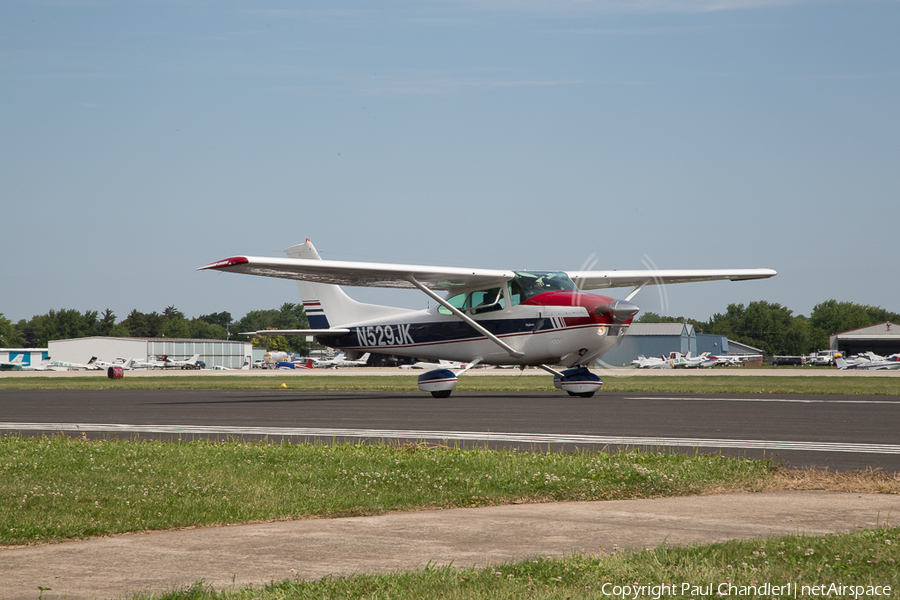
x: 545, y: 334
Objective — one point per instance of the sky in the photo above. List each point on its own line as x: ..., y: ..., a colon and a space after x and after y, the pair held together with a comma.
x: 140, y: 140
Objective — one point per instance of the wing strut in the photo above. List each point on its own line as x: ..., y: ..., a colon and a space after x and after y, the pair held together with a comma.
x: 475, y: 325
x: 551, y: 370
x: 634, y: 292
x: 469, y: 366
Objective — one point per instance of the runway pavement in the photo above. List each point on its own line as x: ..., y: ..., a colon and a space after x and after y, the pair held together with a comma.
x: 833, y: 432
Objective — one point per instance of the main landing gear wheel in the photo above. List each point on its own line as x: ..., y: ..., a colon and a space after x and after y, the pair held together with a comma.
x: 440, y: 382
x: 578, y: 382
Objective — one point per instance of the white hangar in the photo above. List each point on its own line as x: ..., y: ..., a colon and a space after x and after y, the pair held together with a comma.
x: 215, y: 353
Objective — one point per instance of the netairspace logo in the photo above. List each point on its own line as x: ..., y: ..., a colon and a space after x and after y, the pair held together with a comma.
x: 728, y: 589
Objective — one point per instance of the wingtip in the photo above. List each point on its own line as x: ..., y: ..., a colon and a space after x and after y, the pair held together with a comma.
x: 226, y: 262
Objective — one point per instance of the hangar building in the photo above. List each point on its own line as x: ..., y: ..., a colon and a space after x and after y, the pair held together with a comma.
x: 660, y: 339
x: 883, y: 339
x: 31, y: 356
x: 215, y: 353
x: 652, y: 339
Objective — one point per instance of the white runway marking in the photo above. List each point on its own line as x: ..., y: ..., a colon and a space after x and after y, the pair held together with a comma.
x: 788, y: 400
x: 479, y: 436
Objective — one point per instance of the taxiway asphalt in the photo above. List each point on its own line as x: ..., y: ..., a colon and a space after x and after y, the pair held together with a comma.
x: 823, y: 431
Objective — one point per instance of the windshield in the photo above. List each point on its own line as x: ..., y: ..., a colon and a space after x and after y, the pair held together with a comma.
x: 531, y: 283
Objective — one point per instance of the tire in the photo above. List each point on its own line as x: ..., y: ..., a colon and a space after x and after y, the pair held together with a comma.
x: 442, y: 394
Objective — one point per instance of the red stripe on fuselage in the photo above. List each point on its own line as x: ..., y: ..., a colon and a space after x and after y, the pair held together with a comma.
x: 591, y: 302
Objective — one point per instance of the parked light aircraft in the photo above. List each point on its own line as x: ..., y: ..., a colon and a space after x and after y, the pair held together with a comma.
x: 191, y: 363
x: 119, y: 362
x: 868, y: 362
x: 61, y: 365
x: 652, y: 362
x: 340, y: 360
x: 521, y: 318
x: 15, y: 364
x: 687, y: 361
x: 19, y: 364
x: 734, y: 360
x: 165, y: 362
x: 441, y: 364
x: 44, y: 365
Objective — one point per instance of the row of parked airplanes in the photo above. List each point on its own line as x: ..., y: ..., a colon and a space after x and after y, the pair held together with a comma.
x: 677, y: 360
x: 865, y: 361
x: 281, y: 360
x: 868, y: 361
x: 95, y: 364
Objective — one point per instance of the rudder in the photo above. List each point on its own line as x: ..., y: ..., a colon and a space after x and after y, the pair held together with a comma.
x: 327, y: 305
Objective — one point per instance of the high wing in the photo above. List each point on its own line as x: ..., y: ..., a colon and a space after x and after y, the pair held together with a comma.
x: 363, y: 274
x: 448, y: 278
x: 594, y: 280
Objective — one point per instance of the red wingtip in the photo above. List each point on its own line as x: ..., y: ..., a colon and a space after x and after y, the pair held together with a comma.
x: 228, y: 262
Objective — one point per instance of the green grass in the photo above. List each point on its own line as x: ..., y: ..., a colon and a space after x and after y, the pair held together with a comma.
x: 61, y: 488
x: 860, y: 560
x: 746, y: 384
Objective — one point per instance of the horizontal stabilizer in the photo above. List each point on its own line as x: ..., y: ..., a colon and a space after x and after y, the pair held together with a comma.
x: 334, y: 331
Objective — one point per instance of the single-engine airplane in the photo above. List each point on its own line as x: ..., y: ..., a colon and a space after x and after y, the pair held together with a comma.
x: 869, y: 361
x: 341, y: 360
x: 489, y: 316
x: 16, y: 364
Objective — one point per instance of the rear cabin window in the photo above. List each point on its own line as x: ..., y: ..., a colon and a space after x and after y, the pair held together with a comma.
x: 477, y: 302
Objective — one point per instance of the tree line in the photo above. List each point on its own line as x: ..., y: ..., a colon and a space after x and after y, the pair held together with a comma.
x: 775, y: 330
x: 171, y: 323
x: 768, y: 326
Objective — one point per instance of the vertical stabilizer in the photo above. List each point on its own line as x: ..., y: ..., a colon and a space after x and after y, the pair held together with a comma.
x: 327, y: 305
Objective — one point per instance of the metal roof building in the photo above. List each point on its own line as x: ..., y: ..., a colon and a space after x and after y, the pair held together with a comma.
x: 30, y: 356
x: 714, y: 344
x: 215, y: 353
x: 739, y: 348
x: 883, y: 339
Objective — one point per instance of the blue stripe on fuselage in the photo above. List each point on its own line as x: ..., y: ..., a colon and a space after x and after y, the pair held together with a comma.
x: 414, y: 334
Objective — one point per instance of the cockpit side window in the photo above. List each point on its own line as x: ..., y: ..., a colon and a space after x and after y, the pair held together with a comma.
x: 486, y: 300
x: 458, y: 301
x: 531, y: 283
